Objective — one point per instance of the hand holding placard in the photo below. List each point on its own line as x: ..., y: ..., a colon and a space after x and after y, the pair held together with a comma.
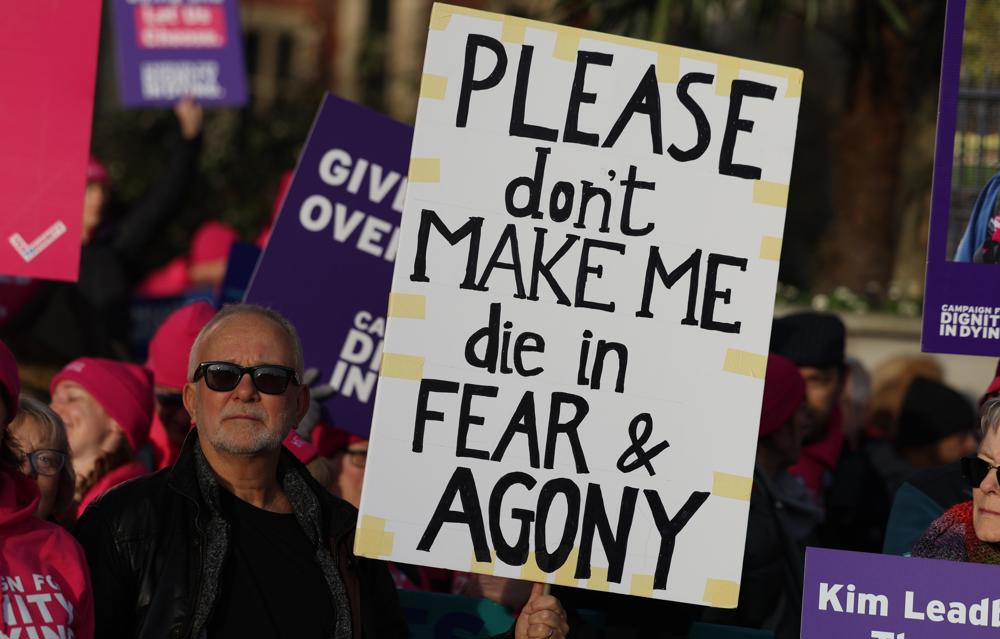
x: 555, y: 405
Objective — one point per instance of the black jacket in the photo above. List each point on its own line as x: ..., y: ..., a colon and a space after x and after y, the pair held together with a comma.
x: 156, y: 547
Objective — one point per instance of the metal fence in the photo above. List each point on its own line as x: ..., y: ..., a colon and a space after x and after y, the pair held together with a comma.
x: 977, y: 155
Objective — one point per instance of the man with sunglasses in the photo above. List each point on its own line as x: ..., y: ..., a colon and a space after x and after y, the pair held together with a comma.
x: 237, y: 539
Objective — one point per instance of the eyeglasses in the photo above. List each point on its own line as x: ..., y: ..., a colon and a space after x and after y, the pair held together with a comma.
x: 358, y: 457
x: 975, y: 470
x: 46, y: 462
x: 270, y: 379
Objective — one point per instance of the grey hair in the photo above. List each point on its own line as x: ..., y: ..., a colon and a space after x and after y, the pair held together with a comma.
x: 232, y: 310
x: 990, y: 412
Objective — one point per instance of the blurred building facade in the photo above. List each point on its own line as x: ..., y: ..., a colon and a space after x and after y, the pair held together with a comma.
x: 369, y: 51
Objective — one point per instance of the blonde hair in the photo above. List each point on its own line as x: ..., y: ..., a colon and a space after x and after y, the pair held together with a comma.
x: 890, y: 381
x: 118, y: 456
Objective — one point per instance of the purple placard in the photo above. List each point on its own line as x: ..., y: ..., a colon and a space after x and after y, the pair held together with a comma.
x: 328, y: 263
x: 854, y: 594
x: 168, y: 49
x: 961, y: 297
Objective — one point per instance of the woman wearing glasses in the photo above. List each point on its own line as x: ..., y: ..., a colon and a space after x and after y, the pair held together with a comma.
x: 46, y: 585
x: 41, y: 436
x: 107, y: 407
x: 970, y: 531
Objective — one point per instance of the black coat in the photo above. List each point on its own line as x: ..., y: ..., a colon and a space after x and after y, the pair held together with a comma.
x: 154, y: 552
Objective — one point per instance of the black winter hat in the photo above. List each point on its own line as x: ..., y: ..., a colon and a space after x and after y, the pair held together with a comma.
x: 932, y: 411
x: 809, y: 339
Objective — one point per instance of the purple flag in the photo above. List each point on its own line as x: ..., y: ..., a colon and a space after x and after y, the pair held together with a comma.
x: 328, y: 263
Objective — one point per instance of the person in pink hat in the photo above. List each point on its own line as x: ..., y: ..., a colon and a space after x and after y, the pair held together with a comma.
x: 107, y: 407
x: 35, y: 553
x: 168, y: 360
x: 209, y: 254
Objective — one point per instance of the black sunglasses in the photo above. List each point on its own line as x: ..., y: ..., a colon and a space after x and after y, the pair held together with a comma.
x: 975, y: 470
x: 270, y: 379
x: 45, y: 461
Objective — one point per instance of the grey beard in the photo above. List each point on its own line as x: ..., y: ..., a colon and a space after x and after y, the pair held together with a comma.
x: 262, y: 440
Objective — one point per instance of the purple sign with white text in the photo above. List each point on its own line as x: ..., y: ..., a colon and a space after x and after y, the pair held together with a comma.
x: 168, y: 49
x: 962, y: 294
x: 327, y: 266
x: 853, y: 595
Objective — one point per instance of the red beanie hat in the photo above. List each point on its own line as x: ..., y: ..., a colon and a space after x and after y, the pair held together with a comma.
x: 330, y: 440
x: 171, y: 345
x: 992, y: 388
x: 124, y: 391
x: 10, y: 383
x: 784, y: 392
x: 212, y: 242
x: 96, y: 172
x: 302, y: 449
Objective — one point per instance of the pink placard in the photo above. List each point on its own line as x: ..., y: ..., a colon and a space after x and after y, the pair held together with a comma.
x: 180, y: 26
x: 48, y: 62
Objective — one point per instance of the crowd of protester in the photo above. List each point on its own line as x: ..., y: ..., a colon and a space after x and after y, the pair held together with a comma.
x: 190, y: 530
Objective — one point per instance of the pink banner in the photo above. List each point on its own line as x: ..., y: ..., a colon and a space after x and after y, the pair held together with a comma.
x: 48, y: 62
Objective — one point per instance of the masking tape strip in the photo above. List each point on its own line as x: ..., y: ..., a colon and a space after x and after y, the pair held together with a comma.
x: 727, y: 70
x: 770, y: 249
x: 371, y: 540
x: 565, y: 573
x: 513, y: 30
x: 598, y: 579
x: 408, y: 305
x: 441, y: 16
x: 722, y: 593
x: 745, y: 363
x: 668, y: 67
x: 770, y: 193
x: 483, y: 567
x: 402, y: 366
x: 433, y: 87
x: 531, y: 572
x: 425, y: 170
x: 794, y: 88
x: 642, y: 585
x: 731, y: 486
x: 568, y: 42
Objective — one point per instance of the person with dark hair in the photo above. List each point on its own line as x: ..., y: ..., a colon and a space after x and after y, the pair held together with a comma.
x: 927, y: 494
x: 107, y: 407
x: 46, y: 587
x: 936, y: 426
x: 815, y: 343
x: 236, y: 539
x: 44, y: 448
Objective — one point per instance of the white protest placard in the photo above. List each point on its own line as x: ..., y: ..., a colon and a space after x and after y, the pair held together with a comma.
x: 573, y: 366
